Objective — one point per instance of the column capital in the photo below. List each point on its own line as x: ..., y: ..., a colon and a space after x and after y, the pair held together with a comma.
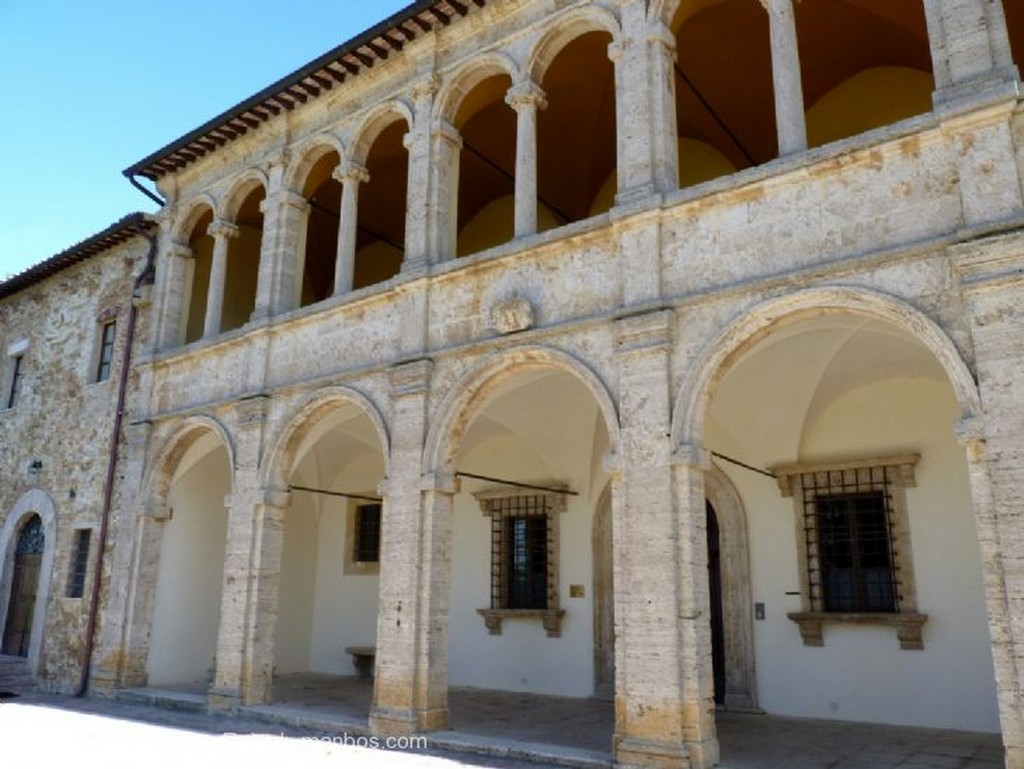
x: 526, y: 94
x: 778, y: 6
x: 293, y: 199
x: 220, y: 228
x: 349, y: 172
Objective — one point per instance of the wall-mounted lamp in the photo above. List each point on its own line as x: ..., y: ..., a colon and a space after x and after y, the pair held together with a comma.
x: 36, y: 466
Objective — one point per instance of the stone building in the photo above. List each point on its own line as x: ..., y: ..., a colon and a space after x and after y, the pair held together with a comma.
x: 663, y: 350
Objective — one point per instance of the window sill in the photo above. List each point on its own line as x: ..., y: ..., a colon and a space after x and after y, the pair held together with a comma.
x: 551, y: 619
x: 908, y: 626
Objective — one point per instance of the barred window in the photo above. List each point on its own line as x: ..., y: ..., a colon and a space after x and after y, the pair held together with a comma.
x: 367, y: 534
x: 79, y: 564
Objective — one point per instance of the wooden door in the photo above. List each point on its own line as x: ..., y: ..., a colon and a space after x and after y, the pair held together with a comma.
x: 21, y: 609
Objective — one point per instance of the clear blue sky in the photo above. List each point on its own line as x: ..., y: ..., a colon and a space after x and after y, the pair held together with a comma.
x: 91, y: 86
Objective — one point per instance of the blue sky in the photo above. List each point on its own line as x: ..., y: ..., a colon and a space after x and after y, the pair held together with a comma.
x: 91, y: 86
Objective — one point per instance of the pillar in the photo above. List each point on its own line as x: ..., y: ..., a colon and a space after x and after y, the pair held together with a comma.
x: 526, y: 98
x: 172, y: 296
x: 351, y: 175
x: 419, y: 210
x: 789, y: 92
x: 411, y: 684
x: 283, y: 246
x: 222, y: 233
x: 664, y: 707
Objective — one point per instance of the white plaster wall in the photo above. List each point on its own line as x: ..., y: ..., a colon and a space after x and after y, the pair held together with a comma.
x: 186, y: 611
x: 861, y: 673
x: 298, y: 580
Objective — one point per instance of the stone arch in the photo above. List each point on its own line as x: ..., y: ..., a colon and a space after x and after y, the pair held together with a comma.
x: 239, y: 190
x: 737, y: 600
x: 166, y: 459
x: 465, y: 78
x: 194, y: 212
x: 32, y: 502
x: 566, y: 29
x: 375, y: 121
x: 464, y: 399
x: 717, y: 358
x: 308, y: 156
x: 280, y: 457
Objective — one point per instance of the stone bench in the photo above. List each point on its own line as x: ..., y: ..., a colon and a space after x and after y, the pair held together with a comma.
x: 363, y: 658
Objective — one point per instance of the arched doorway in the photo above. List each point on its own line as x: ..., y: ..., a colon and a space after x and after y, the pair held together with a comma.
x: 28, y: 559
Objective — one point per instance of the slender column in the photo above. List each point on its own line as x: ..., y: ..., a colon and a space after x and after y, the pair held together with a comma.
x: 664, y: 683
x: 446, y: 146
x: 222, y: 233
x: 789, y: 93
x: 278, y: 255
x: 419, y: 211
x: 526, y: 98
x: 351, y: 176
x: 411, y: 685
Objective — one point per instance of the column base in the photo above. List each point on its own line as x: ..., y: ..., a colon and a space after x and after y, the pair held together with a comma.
x: 224, y: 700
x: 633, y: 753
x: 396, y: 723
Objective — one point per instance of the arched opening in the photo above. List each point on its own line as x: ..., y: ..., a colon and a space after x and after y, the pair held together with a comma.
x: 327, y: 604
x: 864, y: 559
x: 863, y: 63
x: 189, y: 573
x: 725, y: 103
x: 522, y: 603
x: 198, y: 276
x: 24, y: 587
x: 576, y: 141
x: 323, y: 192
x: 243, y: 264
x: 380, y: 240
x: 487, y: 166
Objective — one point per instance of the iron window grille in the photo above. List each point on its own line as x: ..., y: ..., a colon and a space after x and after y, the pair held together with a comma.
x: 79, y: 564
x: 367, y: 534
x: 524, y: 556
x: 106, y: 351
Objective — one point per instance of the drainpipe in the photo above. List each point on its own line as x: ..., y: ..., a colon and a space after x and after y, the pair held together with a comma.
x: 146, y: 276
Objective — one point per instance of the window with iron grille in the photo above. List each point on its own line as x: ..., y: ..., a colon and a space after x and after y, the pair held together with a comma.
x: 106, y: 351
x: 853, y: 537
x: 367, y: 534
x: 524, y: 556
x: 79, y: 564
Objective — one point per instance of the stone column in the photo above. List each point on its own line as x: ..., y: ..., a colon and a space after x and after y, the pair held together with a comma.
x: 647, y: 159
x: 789, y: 93
x: 172, y: 299
x: 251, y: 568
x: 971, y: 56
x: 351, y: 175
x: 990, y: 272
x: 411, y: 684
x: 280, y: 252
x: 222, y: 233
x: 419, y: 211
x: 445, y: 148
x: 526, y: 98
x: 664, y: 684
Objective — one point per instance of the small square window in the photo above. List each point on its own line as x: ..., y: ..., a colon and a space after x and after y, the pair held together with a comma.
x: 105, y: 358
x: 79, y: 564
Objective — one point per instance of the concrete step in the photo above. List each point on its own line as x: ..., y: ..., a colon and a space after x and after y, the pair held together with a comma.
x: 15, y: 676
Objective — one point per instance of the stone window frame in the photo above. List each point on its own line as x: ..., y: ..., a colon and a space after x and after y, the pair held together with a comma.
x: 890, y: 474
x: 14, y: 374
x: 101, y: 371
x: 494, y: 502
x: 78, y: 562
x: 350, y: 565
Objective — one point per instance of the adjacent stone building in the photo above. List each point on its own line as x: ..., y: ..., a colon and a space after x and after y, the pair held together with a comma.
x: 663, y: 350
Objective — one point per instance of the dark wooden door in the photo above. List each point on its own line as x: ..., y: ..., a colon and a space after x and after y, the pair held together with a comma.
x: 22, y: 606
x: 717, y: 622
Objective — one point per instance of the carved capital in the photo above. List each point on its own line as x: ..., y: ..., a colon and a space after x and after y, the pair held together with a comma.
x: 526, y: 94
x: 349, y: 172
x: 220, y: 228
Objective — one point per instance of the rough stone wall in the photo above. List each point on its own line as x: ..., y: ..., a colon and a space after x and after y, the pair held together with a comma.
x: 63, y: 419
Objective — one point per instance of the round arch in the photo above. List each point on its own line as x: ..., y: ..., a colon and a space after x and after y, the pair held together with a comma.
x: 373, y: 123
x: 240, y: 190
x: 194, y: 212
x: 166, y: 459
x: 691, y: 404
x: 463, y: 80
x: 32, y: 502
x: 465, y: 398
x: 566, y: 29
x: 279, y: 460
x: 308, y: 156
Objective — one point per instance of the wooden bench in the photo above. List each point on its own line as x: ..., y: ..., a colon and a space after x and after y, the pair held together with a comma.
x: 363, y: 658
